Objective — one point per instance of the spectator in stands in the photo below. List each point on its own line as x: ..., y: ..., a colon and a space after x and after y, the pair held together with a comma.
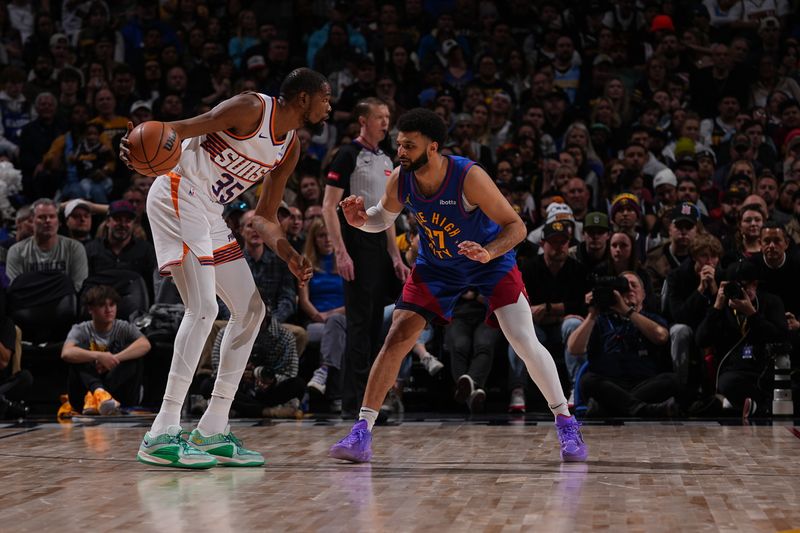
x: 104, y: 355
x: 472, y: 344
x: 778, y: 268
x: 293, y: 227
x: 691, y: 290
x: 275, y: 280
x: 625, y: 346
x: 738, y: 327
x: 625, y: 217
x: 593, y: 250
x: 46, y: 250
x: 661, y: 260
x: 767, y: 188
x: 15, y: 109
x: 322, y: 301
x: 34, y: 141
x: 746, y: 241
x: 23, y: 224
x: 117, y: 249
x: 270, y: 386
x: 78, y: 220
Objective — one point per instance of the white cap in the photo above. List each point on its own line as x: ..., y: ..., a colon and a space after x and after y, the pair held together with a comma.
x: 665, y: 177
x: 70, y: 206
x: 559, y: 211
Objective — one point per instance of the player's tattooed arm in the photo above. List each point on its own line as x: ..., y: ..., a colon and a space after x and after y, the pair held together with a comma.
x: 480, y: 190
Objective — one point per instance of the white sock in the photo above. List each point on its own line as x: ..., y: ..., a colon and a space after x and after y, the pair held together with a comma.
x: 370, y: 415
x: 516, y: 321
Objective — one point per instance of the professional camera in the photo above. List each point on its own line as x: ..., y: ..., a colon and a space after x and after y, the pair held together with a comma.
x: 603, y: 290
x: 734, y: 290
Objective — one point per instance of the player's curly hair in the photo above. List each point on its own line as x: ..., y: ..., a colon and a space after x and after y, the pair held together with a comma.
x: 426, y: 122
x: 302, y: 80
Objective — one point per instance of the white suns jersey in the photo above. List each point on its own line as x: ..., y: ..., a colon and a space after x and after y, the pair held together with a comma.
x: 226, y: 164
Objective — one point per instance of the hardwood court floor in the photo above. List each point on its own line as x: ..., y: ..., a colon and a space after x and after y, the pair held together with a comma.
x: 426, y: 476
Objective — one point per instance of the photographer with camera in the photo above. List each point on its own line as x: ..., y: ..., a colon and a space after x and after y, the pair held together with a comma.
x: 742, y: 321
x: 626, y: 349
x: 691, y: 291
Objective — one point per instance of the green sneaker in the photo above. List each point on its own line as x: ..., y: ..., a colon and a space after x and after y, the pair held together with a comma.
x: 170, y: 449
x: 226, y: 448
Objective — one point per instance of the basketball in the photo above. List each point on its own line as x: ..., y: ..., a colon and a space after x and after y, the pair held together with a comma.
x: 154, y: 148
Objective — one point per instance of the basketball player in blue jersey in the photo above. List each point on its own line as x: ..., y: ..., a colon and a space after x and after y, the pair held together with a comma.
x: 242, y: 141
x: 467, y: 235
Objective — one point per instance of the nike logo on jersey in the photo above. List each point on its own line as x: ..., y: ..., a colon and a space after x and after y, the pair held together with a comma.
x: 262, y: 136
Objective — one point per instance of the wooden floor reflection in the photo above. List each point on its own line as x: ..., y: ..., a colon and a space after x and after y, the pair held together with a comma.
x: 429, y: 476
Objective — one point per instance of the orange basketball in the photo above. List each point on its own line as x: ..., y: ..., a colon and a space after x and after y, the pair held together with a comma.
x: 154, y: 148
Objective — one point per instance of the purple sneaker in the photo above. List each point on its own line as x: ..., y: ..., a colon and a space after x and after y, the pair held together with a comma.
x: 356, y: 447
x: 573, y: 449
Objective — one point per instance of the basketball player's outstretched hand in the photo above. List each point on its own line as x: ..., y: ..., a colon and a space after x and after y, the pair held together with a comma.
x: 354, y: 211
x: 301, y: 268
x: 125, y: 147
x: 474, y: 251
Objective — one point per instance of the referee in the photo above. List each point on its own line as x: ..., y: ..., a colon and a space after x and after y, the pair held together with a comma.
x: 364, y: 260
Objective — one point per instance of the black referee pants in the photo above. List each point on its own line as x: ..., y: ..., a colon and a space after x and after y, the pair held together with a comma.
x: 364, y: 300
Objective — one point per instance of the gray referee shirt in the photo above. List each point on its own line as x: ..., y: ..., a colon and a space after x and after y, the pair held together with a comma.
x: 360, y: 171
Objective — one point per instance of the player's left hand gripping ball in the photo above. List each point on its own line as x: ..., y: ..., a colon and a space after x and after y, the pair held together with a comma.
x: 301, y: 268
x: 474, y: 251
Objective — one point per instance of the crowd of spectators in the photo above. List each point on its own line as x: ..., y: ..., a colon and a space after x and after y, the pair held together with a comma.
x: 656, y: 143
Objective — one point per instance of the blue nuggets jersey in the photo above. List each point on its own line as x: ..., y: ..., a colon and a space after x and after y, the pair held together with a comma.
x: 442, y: 219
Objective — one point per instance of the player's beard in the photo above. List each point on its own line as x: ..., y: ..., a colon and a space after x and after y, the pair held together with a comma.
x: 315, y: 128
x: 418, y: 163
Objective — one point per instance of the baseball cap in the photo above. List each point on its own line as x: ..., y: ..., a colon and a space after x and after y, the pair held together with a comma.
x: 661, y: 23
x: 625, y: 199
x: 555, y: 229
x: 769, y: 22
x: 558, y: 211
x: 686, y: 211
x: 121, y: 207
x: 741, y: 270
x: 557, y: 92
x: 448, y: 45
x: 283, y: 209
x: 665, y: 177
x: 138, y: 104
x: 734, y: 192
x: 686, y: 160
x: 256, y: 62
x: 602, y: 59
x: 596, y: 220
x: 58, y: 37
x: 739, y: 177
x: 72, y: 205
x: 792, y: 139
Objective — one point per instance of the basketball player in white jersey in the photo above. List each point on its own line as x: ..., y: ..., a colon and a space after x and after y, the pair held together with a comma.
x: 241, y: 141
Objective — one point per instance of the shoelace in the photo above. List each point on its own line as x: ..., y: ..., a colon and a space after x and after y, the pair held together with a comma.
x: 231, y: 437
x: 570, y: 432
x: 353, y: 438
x: 179, y: 440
